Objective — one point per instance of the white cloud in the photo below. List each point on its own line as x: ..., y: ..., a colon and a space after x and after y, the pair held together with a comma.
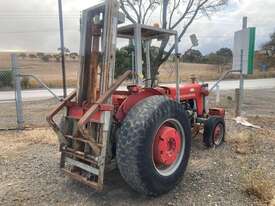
x: 218, y: 32
x: 33, y: 24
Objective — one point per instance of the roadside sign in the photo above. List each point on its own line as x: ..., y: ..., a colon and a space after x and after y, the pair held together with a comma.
x: 194, y: 40
x: 244, y: 50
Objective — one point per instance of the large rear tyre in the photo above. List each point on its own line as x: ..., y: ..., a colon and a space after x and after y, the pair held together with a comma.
x: 153, y: 145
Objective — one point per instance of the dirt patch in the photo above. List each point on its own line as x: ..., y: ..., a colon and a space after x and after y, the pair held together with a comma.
x: 241, y: 172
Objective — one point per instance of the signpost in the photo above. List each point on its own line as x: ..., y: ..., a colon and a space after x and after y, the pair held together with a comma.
x: 243, y: 58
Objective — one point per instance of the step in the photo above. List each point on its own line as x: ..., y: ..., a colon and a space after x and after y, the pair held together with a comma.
x: 80, y: 155
x: 82, y: 166
x: 82, y: 179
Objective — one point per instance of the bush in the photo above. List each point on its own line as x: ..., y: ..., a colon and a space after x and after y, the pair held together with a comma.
x: 46, y: 58
x: 32, y: 56
x: 23, y: 55
x: 25, y: 83
x: 6, y: 79
x: 123, y: 61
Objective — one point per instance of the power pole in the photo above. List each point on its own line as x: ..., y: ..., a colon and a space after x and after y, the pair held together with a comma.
x: 62, y: 48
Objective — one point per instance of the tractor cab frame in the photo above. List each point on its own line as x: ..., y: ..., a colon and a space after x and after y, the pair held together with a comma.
x: 143, y: 35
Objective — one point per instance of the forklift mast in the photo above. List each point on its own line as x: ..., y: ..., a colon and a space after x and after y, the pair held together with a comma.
x: 97, y: 51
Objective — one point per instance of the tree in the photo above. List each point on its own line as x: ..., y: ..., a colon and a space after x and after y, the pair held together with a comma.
x: 57, y: 57
x: 225, y: 52
x: 66, y: 50
x: 269, y: 48
x: 221, y: 58
x: 213, y: 58
x: 123, y: 60
x: 46, y: 58
x: 22, y: 55
x: 32, y: 56
x: 192, y: 56
x: 40, y: 55
x: 174, y: 15
x: 73, y: 55
x: 270, y: 45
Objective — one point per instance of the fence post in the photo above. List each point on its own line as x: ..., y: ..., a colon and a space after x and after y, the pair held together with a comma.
x: 237, y: 100
x: 18, y: 95
x: 241, y: 91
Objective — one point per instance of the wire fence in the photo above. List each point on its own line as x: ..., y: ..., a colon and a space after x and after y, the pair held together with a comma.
x: 7, y: 99
x: 32, y: 76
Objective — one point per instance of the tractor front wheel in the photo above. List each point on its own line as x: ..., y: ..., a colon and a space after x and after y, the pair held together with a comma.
x: 214, y: 132
x: 153, y: 145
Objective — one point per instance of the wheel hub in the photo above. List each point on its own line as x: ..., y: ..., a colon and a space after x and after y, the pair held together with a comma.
x: 167, y: 146
x: 218, y: 132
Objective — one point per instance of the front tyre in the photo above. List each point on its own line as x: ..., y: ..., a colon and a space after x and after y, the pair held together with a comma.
x: 214, y: 132
x: 153, y: 145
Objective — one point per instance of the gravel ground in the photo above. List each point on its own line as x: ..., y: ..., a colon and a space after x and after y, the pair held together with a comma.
x: 30, y: 175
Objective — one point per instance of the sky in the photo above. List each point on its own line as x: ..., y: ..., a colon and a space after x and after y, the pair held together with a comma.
x: 32, y: 25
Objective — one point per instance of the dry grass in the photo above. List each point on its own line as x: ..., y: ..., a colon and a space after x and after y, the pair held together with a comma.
x: 5, y: 60
x: 243, y: 142
x: 40, y: 136
x: 259, y: 184
x: 203, y: 72
x: 50, y: 72
x: 31, y: 136
x: 12, y: 143
x: 272, y: 202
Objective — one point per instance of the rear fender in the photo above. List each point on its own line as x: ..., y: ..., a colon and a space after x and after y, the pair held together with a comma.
x: 132, y: 100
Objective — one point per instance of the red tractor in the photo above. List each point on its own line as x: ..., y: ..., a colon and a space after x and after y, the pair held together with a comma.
x: 145, y: 129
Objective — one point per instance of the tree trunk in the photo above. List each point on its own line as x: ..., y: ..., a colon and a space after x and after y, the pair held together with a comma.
x: 154, y: 73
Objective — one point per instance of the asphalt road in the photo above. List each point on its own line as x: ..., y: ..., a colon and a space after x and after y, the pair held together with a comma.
x: 39, y: 94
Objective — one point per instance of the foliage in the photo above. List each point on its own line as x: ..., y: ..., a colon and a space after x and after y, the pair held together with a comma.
x: 271, y: 43
x: 22, y: 55
x: 66, y: 50
x: 57, y: 57
x: 40, y: 54
x: 223, y: 56
x: 225, y: 52
x: 46, y: 58
x: 6, y: 79
x: 32, y: 56
x: 25, y: 83
x: 123, y: 60
x: 73, y: 55
x: 192, y: 56
x: 268, y: 57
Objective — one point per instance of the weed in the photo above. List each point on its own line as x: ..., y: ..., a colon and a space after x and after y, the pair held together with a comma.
x: 257, y: 183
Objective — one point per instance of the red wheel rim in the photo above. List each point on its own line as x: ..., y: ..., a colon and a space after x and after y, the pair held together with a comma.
x: 218, y: 134
x: 168, y: 147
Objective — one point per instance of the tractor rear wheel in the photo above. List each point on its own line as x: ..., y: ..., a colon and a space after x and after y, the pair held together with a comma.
x: 153, y: 145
